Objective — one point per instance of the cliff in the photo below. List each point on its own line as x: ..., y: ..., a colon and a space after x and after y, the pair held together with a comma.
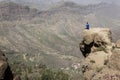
x: 101, y: 55
x: 96, y: 39
x: 5, y: 71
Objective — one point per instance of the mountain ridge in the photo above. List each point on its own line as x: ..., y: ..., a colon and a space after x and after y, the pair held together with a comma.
x: 14, y: 11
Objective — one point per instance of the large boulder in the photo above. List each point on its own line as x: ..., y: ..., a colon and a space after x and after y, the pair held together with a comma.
x: 97, y: 47
x: 114, y: 62
x: 5, y: 71
x: 94, y: 63
x: 109, y: 72
x: 118, y: 43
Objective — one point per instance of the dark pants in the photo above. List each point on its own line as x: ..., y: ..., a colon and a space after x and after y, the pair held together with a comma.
x: 87, y: 27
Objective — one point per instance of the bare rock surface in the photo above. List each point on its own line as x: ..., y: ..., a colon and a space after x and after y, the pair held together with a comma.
x: 101, y: 56
x: 96, y: 39
x: 118, y: 43
x: 5, y: 71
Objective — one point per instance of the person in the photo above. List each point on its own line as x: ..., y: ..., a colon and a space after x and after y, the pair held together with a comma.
x: 87, y: 26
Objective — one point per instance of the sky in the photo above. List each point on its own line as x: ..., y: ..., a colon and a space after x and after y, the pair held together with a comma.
x: 77, y: 1
x: 84, y: 1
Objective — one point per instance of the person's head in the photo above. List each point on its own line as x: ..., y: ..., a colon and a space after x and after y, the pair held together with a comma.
x: 87, y: 22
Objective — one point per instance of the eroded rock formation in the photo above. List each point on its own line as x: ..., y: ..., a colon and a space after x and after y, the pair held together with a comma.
x: 102, y: 57
x: 96, y: 39
x: 5, y: 71
x: 117, y: 44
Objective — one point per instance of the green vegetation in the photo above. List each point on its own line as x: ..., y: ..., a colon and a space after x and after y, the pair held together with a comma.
x: 92, y: 61
x: 49, y: 74
x: 98, y: 69
x: 26, y: 76
x: 41, y: 72
x: 37, y: 70
x: 101, y: 48
x: 106, y: 62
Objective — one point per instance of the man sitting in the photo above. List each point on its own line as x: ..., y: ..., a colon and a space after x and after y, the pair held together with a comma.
x: 87, y: 26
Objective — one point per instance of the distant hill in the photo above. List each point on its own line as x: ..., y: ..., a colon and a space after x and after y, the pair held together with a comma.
x: 39, y: 4
x: 13, y: 11
x: 103, y: 9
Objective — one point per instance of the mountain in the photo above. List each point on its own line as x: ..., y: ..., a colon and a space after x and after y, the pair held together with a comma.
x: 39, y: 4
x: 55, y: 31
x: 52, y: 36
x: 46, y: 35
x: 14, y: 11
x: 45, y: 4
x: 110, y: 11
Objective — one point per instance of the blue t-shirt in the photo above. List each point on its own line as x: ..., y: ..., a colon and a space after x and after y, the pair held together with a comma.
x: 87, y: 26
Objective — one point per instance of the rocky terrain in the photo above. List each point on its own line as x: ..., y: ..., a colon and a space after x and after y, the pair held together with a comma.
x: 33, y: 38
x: 10, y: 11
x: 5, y: 71
x: 101, y: 55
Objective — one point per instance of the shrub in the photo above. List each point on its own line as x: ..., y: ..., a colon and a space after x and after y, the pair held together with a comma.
x: 47, y: 75
x: 106, y: 62
x: 54, y: 75
x: 92, y: 61
x: 26, y: 76
x: 101, y: 49
x: 98, y: 69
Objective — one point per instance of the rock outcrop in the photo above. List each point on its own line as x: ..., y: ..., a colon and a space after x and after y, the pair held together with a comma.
x: 5, y: 71
x: 114, y: 61
x: 96, y: 39
x: 118, y: 43
x: 101, y: 55
x: 110, y: 71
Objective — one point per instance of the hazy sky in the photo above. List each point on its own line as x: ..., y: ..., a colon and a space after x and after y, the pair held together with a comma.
x: 77, y: 1
x: 85, y: 1
x: 95, y: 1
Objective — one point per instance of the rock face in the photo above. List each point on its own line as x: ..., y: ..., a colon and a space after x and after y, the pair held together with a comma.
x: 110, y: 71
x: 114, y: 61
x: 96, y: 39
x: 101, y: 56
x: 118, y: 43
x: 5, y: 72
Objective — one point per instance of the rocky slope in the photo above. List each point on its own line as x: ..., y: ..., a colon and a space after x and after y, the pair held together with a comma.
x: 10, y: 11
x: 51, y: 38
x: 5, y: 71
x: 102, y: 56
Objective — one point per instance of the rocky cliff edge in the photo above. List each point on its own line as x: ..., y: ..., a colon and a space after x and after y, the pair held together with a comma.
x: 102, y: 56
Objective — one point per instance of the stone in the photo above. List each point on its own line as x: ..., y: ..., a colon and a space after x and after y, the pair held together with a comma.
x: 118, y: 43
x: 5, y: 71
x: 96, y: 39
